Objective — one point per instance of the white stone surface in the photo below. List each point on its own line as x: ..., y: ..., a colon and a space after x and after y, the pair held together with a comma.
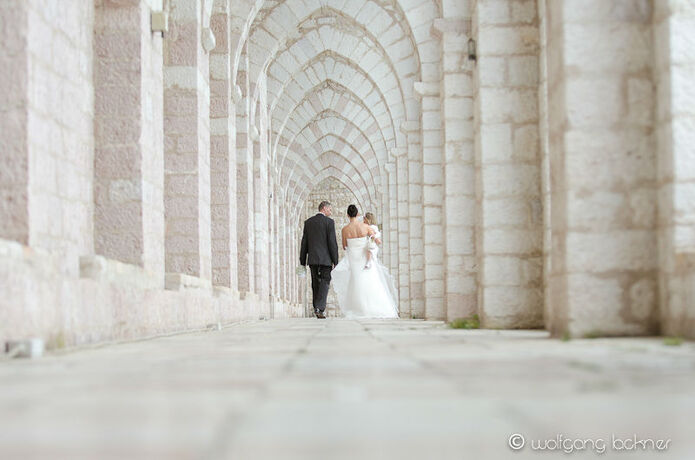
x: 341, y: 389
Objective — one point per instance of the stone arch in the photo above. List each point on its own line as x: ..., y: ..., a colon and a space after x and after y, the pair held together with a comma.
x: 356, y: 37
x: 343, y: 166
x: 328, y: 171
x: 348, y: 138
x: 314, y: 106
x: 347, y: 73
x: 339, y: 162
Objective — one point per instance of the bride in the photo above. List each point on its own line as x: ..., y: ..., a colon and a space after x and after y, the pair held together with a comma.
x: 363, y: 285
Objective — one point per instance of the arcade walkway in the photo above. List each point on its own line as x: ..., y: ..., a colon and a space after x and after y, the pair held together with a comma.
x: 339, y: 389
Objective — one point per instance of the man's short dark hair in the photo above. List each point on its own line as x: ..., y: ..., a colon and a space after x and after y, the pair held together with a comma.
x: 323, y: 204
x: 352, y: 211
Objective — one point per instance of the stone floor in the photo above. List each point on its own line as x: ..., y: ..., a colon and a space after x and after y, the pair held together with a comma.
x: 339, y: 389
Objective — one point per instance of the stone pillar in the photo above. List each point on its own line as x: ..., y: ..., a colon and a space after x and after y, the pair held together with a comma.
x: 459, y: 173
x: 223, y: 151
x: 282, y: 233
x: 273, y: 246
x: 187, y: 143
x: 604, y: 253
x: 403, y: 279
x: 129, y: 157
x: 674, y: 70
x: 509, y: 211
x: 47, y: 127
x: 391, y: 202
x: 261, y: 195
x: 14, y: 126
x: 432, y: 198
x: 293, y: 261
x: 415, y: 234
x: 245, y: 239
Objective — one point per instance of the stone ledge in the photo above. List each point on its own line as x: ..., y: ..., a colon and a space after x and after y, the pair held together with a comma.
x: 181, y: 282
x: 43, y: 260
x: 223, y: 291
x: 103, y: 269
x: 248, y: 296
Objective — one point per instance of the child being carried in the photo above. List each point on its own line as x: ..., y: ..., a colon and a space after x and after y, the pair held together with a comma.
x: 372, y: 247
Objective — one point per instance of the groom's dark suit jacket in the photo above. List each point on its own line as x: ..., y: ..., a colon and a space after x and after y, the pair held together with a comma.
x: 319, y: 246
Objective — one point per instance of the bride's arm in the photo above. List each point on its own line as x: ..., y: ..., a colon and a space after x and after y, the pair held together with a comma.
x: 342, y: 233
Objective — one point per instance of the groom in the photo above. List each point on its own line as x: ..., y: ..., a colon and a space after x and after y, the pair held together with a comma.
x: 320, y: 251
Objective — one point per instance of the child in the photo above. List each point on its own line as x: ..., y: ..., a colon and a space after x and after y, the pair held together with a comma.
x: 372, y: 248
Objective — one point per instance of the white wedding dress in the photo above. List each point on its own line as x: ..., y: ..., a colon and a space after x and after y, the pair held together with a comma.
x: 364, y: 292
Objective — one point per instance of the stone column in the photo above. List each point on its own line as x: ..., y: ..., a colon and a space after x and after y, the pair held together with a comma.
x: 223, y: 150
x: 674, y: 70
x: 261, y: 195
x: 187, y: 143
x: 415, y: 234
x: 14, y: 126
x: 47, y: 127
x: 293, y: 262
x: 403, y: 280
x: 129, y: 162
x: 283, y: 237
x: 245, y: 239
x: 603, y: 181
x: 508, y: 166
x: 545, y: 160
x: 459, y: 173
x: 432, y: 198
x: 391, y: 203
x: 273, y: 246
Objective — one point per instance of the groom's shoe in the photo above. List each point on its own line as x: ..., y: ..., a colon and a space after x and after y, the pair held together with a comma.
x: 320, y: 315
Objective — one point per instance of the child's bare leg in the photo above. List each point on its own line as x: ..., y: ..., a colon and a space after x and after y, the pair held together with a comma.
x: 369, y: 258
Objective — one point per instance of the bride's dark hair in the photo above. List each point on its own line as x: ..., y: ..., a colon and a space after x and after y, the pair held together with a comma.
x: 352, y: 211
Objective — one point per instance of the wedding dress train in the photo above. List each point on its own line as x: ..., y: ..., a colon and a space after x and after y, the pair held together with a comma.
x: 363, y: 293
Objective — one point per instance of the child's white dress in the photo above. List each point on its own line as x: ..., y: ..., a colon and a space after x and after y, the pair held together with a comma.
x: 373, y: 248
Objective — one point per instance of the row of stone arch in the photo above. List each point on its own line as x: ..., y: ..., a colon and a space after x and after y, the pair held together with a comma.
x: 339, y: 77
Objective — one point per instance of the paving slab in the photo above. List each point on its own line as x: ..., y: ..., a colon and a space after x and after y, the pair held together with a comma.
x: 343, y: 389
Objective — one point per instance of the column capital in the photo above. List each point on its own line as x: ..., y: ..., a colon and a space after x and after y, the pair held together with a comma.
x: 426, y: 89
x: 454, y: 26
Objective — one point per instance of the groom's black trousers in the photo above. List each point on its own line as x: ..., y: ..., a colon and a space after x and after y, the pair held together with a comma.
x: 320, y: 281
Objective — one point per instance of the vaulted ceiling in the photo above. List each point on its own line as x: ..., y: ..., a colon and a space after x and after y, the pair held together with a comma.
x: 339, y: 78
